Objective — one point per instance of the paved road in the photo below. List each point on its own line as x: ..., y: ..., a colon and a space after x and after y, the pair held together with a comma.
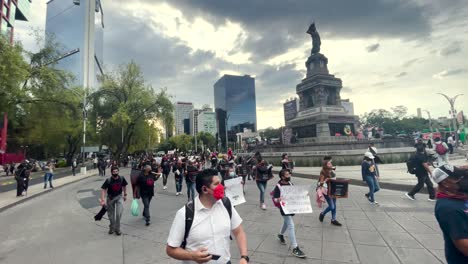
x: 9, y: 183
x: 58, y: 228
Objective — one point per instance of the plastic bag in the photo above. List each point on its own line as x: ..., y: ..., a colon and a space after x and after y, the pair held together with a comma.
x: 134, y: 207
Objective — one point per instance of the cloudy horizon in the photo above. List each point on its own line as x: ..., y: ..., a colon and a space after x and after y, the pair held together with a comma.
x: 387, y: 53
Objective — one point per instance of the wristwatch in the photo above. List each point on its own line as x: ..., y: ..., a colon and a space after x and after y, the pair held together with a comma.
x: 246, y: 258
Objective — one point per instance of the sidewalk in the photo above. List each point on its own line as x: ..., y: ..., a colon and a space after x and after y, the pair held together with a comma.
x: 392, y: 176
x: 8, y: 199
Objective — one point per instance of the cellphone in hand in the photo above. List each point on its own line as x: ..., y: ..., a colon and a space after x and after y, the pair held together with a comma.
x: 215, y: 257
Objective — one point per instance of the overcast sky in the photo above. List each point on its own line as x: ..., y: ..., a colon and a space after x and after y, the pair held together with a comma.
x: 387, y: 52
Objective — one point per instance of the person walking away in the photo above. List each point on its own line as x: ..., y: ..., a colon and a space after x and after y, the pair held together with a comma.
x: 326, y: 174
x: 49, y: 175
x: 422, y: 174
x: 114, y: 187
x: 450, y: 143
x: 451, y: 211
x: 190, y: 177
x: 441, y: 149
x: 74, y: 166
x: 20, y: 177
x: 263, y: 175
x: 194, y: 238
x: 288, y: 224
x: 145, y: 186
x: 179, y: 171
x: 368, y: 172
x: 166, y: 169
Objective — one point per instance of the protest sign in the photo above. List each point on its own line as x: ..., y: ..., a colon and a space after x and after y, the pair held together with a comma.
x: 295, y: 199
x: 234, y: 191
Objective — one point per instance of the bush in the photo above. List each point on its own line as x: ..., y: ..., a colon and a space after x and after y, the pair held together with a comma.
x: 61, y: 164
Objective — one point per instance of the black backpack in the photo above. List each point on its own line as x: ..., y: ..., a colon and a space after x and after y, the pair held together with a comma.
x: 190, y: 214
x: 411, y: 165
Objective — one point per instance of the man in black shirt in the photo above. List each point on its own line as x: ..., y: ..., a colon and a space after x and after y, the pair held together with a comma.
x: 145, y: 183
x: 114, y: 186
x: 422, y: 173
x: 451, y: 211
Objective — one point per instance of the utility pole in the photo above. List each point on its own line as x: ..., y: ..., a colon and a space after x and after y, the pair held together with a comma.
x: 453, y: 113
x: 226, y: 126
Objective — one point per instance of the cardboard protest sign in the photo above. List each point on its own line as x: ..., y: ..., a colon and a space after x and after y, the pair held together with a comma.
x: 295, y: 199
x: 234, y: 191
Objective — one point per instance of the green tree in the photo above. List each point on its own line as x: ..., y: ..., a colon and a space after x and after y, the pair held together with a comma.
x: 125, y: 102
x: 182, y: 142
x: 209, y: 141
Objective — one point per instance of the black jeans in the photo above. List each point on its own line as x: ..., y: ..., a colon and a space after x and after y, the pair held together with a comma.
x: 423, y: 179
x: 146, y: 203
x: 165, y: 175
x: 450, y: 148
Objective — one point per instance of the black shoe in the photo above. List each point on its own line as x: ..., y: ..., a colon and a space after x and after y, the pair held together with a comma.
x: 336, y: 223
x: 281, y: 239
x: 118, y: 233
x: 366, y: 195
x: 321, y: 216
x: 298, y: 253
x: 148, y: 223
x: 45, y: 186
x: 111, y: 232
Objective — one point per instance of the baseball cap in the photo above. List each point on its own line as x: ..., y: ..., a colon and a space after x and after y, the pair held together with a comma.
x: 369, y: 155
x: 443, y: 172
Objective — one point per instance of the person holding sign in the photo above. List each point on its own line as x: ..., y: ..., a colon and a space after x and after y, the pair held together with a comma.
x: 288, y: 224
x: 326, y: 174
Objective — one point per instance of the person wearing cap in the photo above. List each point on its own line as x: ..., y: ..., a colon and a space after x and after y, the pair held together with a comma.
x: 368, y: 172
x: 451, y: 211
x: 422, y: 174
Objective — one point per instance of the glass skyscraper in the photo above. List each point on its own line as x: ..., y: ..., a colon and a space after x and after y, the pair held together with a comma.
x: 77, y: 25
x: 10, y: 11
x: 235, y: 104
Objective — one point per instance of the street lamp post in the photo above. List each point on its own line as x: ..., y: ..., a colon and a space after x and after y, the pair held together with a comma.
x: 453, y: 113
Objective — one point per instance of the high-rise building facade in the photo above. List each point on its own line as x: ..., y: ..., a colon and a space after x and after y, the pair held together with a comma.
x: 194, y: 121
x: 235, y: 106
x: 207, y: 122
x: 78, y: 25
x: 181, y: 111
x: 12, y: 10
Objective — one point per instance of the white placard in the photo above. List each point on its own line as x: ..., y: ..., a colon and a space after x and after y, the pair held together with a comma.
x: 234, y: 191
x: 295, y: 199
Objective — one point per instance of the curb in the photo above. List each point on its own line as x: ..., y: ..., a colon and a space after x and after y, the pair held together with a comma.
x: 27, y: 198
x: 383, y: 185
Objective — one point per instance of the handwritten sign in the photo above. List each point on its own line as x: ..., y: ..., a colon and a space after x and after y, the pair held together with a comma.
x: 295, y: 199
x: 234, y: 191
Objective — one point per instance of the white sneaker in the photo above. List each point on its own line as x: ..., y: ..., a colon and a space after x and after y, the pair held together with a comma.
x: 375, y: 202
x: 263, y: 206
x: 411, y: 197
x: 164, y: 188
x: 177, y: 193
x: 431, y: 200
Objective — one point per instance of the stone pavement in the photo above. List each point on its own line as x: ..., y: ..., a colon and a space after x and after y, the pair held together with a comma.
x: 58, y: 228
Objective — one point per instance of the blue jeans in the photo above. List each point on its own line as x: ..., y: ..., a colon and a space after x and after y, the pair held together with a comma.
x: 331, y: 206
x: 48, y: 177
x: 178, y: 184
x: 373, y: 186
x: 289, y: 225
x: 190, y: 190
x: 261, y: 187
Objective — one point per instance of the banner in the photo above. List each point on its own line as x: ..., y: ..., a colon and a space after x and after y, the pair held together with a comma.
x: 234, y: 191
x: 295, y: 200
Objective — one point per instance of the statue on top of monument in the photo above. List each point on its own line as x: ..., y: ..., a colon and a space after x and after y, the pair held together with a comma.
x: 315, y: 39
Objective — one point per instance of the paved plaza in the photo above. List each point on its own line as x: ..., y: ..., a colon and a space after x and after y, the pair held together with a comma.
x: 58, y: 227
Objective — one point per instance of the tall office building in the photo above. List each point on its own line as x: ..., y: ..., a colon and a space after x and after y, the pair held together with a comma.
x: 235, y: 106
x: 207, y: 122
x: 12, y: 10
x: 182, y: 111
x: 194, y: 121
x: 77, y: 25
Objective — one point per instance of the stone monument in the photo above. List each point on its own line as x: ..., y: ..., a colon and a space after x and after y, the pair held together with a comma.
x: 321, y: 116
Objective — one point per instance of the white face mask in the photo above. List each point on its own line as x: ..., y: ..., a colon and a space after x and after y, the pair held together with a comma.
x: 232, y: 174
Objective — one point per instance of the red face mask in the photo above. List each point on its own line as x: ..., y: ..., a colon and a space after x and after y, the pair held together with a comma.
x: 218, y: 192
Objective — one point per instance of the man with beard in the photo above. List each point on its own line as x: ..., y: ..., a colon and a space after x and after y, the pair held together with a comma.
x: 114, y: 186
x: 451, y: 211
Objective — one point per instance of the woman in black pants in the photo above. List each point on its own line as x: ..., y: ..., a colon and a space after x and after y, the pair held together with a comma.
x: 145, y: 183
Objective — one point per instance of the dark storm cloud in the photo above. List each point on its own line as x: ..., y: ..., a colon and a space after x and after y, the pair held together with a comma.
x: 275, y: 26
x: 452, y: 48
x: 373, y: 47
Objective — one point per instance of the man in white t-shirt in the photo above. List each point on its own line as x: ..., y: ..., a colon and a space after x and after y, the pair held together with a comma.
x: 208, y: 239
x: 450, y: 142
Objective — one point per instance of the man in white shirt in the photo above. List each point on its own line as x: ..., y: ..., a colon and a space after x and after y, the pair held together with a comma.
x: 450, y: 142
x: 208, y: 240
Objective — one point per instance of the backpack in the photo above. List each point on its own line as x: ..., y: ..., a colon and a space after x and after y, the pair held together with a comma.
x: 411, y: 165
x: 440, y: 149
x: 272, y: 194
x: 190, y: 215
